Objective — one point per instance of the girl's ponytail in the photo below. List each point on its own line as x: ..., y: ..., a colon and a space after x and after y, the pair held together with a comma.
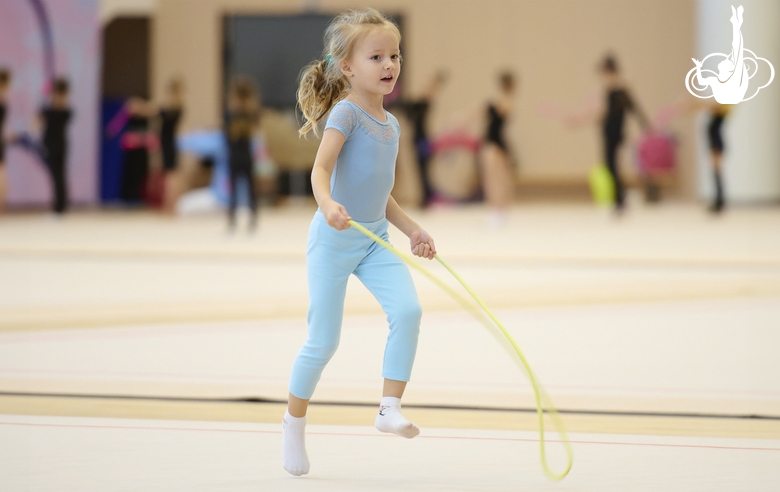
x: 319, y: 90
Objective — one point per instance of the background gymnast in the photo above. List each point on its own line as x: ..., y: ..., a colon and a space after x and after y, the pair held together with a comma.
x: 610, y: 112
x: 498, y: 175
x: 418, y: 110
x: 170, y: 113
x: 52, y: 148
x: 5, y: 81
x: 241, y: 120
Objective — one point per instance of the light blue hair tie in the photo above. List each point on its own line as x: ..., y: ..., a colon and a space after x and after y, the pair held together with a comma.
x: 328, y: 58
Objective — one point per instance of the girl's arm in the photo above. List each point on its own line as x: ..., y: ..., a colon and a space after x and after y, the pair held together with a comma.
x: 335, y: 213
x: 421, y: 242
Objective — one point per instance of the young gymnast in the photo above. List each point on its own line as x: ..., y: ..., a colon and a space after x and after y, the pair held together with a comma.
x: 55, y: 118
x: 611, y: 114
x: 498, y: 175
x: 717, y: 114
x: 52, y: 148
x: 5, y: 81
x: 241, y: 120
x: 418, y: 111
x: 352, y: 178
x: 170, y: 114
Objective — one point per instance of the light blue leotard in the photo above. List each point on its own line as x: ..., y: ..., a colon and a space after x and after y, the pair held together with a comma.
x: 361, y: 181
x: 365, y: 169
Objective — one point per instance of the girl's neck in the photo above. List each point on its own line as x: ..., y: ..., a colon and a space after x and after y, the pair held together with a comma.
x: 371, y: 103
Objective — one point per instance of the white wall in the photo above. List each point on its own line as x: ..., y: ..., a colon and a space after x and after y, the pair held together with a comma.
x: 752, y: 131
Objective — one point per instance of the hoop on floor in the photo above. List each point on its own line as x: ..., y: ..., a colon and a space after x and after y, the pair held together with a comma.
x: 499, y: 331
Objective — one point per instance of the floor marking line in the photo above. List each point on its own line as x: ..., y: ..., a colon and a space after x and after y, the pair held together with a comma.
x: 343, y: 434
x: 262, y: 400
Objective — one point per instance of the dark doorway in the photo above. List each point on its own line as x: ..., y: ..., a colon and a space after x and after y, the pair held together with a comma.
x: 126, y: 58
x: 273, y: 50
x: 126, y: 69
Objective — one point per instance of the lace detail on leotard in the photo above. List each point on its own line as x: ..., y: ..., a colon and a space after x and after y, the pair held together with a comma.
x: 343, y: 117
x: 388, y: 133
x: 346, y: 116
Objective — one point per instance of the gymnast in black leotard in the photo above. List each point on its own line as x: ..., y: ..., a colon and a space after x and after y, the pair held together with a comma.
x: 417, y: 111
x: 169, y: 115
x: 718, y: 113
x: 241, y: 120
x: 3, y: 85
x: 618, y: 103
x: 498, y: 175
x: 5, y: 80
x: 55, y: 118
x: 495, y: 128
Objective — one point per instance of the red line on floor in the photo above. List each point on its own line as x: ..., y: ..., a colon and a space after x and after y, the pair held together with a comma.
x: 342, y: 434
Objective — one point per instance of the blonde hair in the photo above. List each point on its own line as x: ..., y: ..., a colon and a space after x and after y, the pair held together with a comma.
x: 322, y: 83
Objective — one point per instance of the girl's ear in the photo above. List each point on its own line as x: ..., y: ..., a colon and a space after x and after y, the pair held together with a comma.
x: 345, y: 68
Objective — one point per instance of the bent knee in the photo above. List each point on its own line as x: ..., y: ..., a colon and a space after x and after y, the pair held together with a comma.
x: 410, y: 315
x: 320, y: 353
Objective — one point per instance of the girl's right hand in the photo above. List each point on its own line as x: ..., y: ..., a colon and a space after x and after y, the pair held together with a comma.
x: 336, y: 215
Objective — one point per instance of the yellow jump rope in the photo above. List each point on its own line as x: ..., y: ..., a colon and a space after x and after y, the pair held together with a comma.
x: 497, y: 329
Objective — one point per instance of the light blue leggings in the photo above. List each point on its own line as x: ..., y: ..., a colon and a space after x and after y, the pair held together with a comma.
x: 331, y: 257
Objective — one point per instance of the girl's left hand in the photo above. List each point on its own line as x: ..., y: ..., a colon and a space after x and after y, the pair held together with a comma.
x: 422, y: 244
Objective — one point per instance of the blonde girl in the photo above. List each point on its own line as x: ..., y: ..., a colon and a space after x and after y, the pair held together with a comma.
x: 352, y: 178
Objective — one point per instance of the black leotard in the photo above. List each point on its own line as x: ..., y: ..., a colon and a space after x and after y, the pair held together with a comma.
x: 239, y: 126
x: 170, y: 120
x: 55, y: 144
x: 714, y: 129
x: 618, y: 103
x: 238, y: 131
x: 55, y: 122
x: 136, y: 162
x: 2, y: 142
x: 418, y: 114
x: 495, y: 128
x: 417, y: 111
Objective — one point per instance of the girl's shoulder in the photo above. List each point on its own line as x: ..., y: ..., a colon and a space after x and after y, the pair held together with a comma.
x: 346, y: 116
x: 343, y: 117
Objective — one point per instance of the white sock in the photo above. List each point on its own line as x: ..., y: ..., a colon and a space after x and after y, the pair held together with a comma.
x: 390, y: 419
x: 294, y: 457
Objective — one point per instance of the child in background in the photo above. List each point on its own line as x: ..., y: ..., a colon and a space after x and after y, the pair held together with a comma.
x: 5, y: 81
x: 352, y: 177
x: 497, y: 169
x: 618, y: 103
x: 55, y: 118
x: 242, y: 118
x: 170, y: 115
x: 717, y: 115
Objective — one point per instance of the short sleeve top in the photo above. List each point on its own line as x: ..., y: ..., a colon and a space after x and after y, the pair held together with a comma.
x: 365, y: 168
x: 54, y: 131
